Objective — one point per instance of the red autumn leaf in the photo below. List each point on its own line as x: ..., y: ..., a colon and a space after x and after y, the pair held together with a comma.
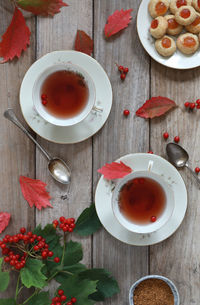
x: 16, y: 38
x: 41, y: 7
x: 4, y: 220
x: 118, y: 21
x: 155, y: 107
x: 115, y: 170
x: 83, y: 43
x: 34, y: 192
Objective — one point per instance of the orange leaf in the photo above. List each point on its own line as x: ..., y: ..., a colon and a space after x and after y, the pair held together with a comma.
x: 155, y: 107
x: 41, y: 7
x: 118, y: 21
x: 83, y: 43
x: 4, y: 220
x: 115, y: 170
x: 34, y: 192
x: 16, y: 38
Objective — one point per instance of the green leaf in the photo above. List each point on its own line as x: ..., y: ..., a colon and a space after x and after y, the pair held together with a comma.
x: 73, y: 253
x: 68, y: 271
x: 80, y: 289
x: 7, y: 302
x: 49, y: 233
x: 4, y: 278
x: 107, y: 286
x: 31, y: 274
x: 40, y: 299
x: 88, y: 222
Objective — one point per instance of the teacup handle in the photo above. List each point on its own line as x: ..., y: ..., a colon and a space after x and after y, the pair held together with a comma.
x: 97, y: 109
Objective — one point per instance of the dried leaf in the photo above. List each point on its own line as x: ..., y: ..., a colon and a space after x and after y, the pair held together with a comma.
x: 118, y: 21
x: 34, y: 192
x: 4, y: 220
x: 155, y: 107
x: 83, y: 43
x: 41, y: 7
x: 115, y: 170
x: 16, y: 38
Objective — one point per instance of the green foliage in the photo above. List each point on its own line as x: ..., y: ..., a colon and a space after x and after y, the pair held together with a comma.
x: 73, y: 253
x: 80, y: 289
x: 68, y: 271
x: 49, y: 233
x: 4, y: 278
x: 88, y: 222
x: 7, y: 302
x: 31, y: 275
x: 40, y: 299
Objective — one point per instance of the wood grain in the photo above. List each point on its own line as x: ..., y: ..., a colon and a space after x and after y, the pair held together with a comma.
x: 179, y: 256
x: 120, y: 135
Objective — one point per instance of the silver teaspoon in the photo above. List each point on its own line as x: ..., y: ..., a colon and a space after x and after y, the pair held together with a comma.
x: 57, y: 167
x: 179, y: 157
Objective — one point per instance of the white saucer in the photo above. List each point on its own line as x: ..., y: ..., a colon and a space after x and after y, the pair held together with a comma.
x: 176, y: 61
x: 94, y: 121
x: 141, y: 162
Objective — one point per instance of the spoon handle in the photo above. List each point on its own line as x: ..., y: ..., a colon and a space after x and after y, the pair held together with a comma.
x: 193, y: 173
x: 10, y: 115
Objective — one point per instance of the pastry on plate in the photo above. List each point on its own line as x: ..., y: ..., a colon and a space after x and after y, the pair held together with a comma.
x: 173, y: 28
x: 176, y: 4
x: 188, y: 43
x: 196, y: 5
x: 158, y: 7
x: 185, y: 15
x: 165, y: 46
x: 194, y: 27
x: 158, y: 27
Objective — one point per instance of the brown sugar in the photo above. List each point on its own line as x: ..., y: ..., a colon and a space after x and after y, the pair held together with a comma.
x: 153, y: 292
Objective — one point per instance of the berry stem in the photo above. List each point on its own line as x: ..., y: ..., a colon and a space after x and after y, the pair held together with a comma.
x: 64, y: 247
x: 17, y: 288
x: 35, y: 292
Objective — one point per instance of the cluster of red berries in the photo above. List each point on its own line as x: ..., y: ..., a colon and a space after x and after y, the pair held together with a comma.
x: 25, y: 245
x: 61, y: 298
x: 44, y: 99
x: 65, y: 224
x: 193, y: 105
x: 166, y: 136
x: 123, y: 71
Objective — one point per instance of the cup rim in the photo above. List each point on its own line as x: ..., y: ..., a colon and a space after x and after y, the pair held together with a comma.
x: 65, y: 122
x: 137, y: 228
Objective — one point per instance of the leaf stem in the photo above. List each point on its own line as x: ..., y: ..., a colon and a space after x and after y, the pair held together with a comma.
x: 51, y: 277
x: 27, y: 300
x: 64, y: 248
x: 17, y: 288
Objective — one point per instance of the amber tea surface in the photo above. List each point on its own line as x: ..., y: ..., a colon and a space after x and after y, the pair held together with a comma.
x: 140, y: 199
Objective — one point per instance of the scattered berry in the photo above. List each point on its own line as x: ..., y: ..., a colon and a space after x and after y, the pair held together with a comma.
x: 44, y: 102
x: 198, y: 102
x: 197, y: 170
x: 73, y: 300
x: 187, y: 104
x: 192, y: 105
x: 43, y: 96
x: 165, y: 135
x: 150, y: 152
x: 176, y: 139
x: 153, y: 218
x: 126, y: 112
x: 56, y: 259
x: 120, y: 68
x: 125, y: 70
x: 123, y: 76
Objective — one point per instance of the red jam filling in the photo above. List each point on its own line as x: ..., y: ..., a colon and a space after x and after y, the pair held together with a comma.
x: 166, y: 43
x: 189, y: 42
x: 172, y: 24
x: 196, y: 22
x: 180, y: 3
x: 198, y: 3
x: 185, y: 13
x: 160, y: 8
x: 154, y: 24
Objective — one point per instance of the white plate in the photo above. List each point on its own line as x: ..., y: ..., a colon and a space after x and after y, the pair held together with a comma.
x: 176, y: 61
x: 90, y: 125
x: 141, y: 162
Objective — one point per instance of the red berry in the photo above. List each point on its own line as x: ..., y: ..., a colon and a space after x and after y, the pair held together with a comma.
x: 63, y: 298
x: 176, y: 139
x: 44, y: 102
x: 123, y: 76
x: 126, y: 112
x: 198, y: 106
x: 50, y: 254
x: 187, y: 104
x: 60, y: 292
x: 55, y: 222
x: 58, y: 303
x: 126, y: 70
x: 39, y: 238
x: 165, y: 135
x: 72, y: 225
x: 56, y: 259
x: 197, y: 170
x: 36, y: 248
x: 150, y: 152
x: 61, y: 226
x: 120, y: 68
x: 69, y: 303
x: 65, y: 229
x: 153, y: 218
x: 44, y: 254
x: 72, y: 220
x: 73, y: 300
x: 43, y: 96
x: 192, y: 105
x: 22, y: 230
x: 32, y: 240
x: 12, y: 262
x: 70, y: 230
x: 198, y: 102
x: 18, y: 266
x: 6, y: 259
x: 15, y: 239
x: 3, y: 246
x: 62, y: 219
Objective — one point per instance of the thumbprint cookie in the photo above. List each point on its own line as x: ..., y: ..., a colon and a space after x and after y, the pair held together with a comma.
x: 185, y: 15
x: 194, y: 27
x: 176, y: 4
x: 158, y: 7
x: 173, y: 28
x: 187, y: 43
x: 165, y: 46
x: 196, y: 5
x: 158, y: 27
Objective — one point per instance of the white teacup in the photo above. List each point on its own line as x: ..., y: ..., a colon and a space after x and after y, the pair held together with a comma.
x: 162, y: 219
x: 41, y: 109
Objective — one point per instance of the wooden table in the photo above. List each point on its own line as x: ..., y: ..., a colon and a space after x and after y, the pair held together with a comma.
x: 179, y: 256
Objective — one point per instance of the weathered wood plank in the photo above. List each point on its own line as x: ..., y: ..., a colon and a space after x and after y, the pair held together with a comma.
x: 120, y: 135
x: 17, y: 152
x: 179, y: 256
